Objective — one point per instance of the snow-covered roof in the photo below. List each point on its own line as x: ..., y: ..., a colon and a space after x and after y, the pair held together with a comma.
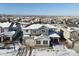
x: 5, y: 24
x: 69, y: 29
x: 23, y: 23
x: 25, y: 35
x: 41, y: 37
x: 75, y: 28
x: 50, y: 26
x: 54, y: 35
x: 37, y: 26
x: 9, y: 33
x: 34, y: 26
x: 14, y: 25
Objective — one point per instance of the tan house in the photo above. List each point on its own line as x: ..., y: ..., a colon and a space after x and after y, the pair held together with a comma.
x: 71, y: 34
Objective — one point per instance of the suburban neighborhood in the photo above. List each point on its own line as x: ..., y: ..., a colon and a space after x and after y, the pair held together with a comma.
x: 39, y: 29
x: 39, y: 35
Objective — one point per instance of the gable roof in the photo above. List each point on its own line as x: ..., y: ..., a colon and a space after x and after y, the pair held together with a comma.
x: 9, y: 33
x: 41, y: 37
x: 6, y: 24
x: 34, y: 26
x: 49, y: 26
x: 37, y: 26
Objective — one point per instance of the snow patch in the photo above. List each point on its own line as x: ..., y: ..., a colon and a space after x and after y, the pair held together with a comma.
x: 58, y: 50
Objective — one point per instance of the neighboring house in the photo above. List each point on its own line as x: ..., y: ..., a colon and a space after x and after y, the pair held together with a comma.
x: 6, y: 35
x: 4, y: 26
x: 71, y: 34
x: 4, y: 31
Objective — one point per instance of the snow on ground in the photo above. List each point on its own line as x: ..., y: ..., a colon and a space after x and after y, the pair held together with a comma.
x: 58, y: 50
x: 9, y: 52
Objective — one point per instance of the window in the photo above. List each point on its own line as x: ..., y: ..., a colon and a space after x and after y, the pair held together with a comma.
x: 43, y: 30
x: 45, y: 42
x: 78, y: 34
x: 34, y: 31
x: 38, y: 42
x: 26, y: 30
x: 50, y: 30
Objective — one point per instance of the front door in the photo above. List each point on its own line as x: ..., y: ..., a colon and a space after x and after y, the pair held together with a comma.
x: 51, y: 42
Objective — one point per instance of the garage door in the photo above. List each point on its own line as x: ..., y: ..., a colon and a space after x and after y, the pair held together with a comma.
x: 76, y: 46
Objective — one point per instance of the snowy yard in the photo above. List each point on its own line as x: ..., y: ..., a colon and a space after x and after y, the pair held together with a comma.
x: 9, y: 52
x: 58, y: 50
